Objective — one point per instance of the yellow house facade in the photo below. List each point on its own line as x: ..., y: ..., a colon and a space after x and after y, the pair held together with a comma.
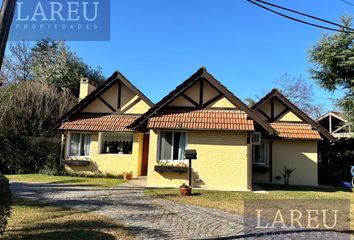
x: 95, y: 134
x: 117, y: 129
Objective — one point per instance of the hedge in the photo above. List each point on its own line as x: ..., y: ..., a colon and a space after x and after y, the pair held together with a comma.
x: 5, y: 202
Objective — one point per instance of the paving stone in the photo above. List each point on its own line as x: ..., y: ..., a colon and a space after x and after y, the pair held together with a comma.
x: 147, y: 217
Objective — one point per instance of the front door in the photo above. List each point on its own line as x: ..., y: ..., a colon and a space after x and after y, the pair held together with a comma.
x: 144, y: 164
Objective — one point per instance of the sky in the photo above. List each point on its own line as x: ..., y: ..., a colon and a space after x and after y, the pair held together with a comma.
x: 157, y: 44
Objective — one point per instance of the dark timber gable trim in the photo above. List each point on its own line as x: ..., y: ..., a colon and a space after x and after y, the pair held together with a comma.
x: 96, y: 94
x: 292, y: 107
x: 202, y: 75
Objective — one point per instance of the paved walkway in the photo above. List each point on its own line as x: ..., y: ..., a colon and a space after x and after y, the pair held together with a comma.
x: 147, y: 217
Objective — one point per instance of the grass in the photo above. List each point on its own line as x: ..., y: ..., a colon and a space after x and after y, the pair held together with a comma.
x: 83, y: 181
x: 36, y: 221
x: 234, y: 201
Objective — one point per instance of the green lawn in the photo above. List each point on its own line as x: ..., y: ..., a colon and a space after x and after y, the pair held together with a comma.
x: 226, y: 200
x: 234, y: 201
x: 84, y: 181
x: 36, y: 221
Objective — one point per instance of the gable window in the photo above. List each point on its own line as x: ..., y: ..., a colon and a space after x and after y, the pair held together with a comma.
x: 261, y: 153
x: 172, y: 145
x: 79, y: 144
x: 116, y: 143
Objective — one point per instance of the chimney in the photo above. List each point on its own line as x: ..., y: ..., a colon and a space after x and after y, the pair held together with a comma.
x: 86, y: 87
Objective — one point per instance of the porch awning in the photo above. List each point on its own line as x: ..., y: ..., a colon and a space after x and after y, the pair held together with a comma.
x: 296, y: 131
x: 230, y: 120
x: 102, y: 123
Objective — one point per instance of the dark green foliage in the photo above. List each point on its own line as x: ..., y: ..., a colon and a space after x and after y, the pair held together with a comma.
x: 52, y: 166
x: 55, y: 64
x: 5, y: 202
x: 19, y: 155
x: 333, y: 59
x: 96, y: 174
x: 30, y: 103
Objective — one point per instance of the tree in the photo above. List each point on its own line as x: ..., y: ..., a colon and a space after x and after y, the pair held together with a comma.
x: 17, y: 64
x: 333, y: 59
x: 301, y: 93
x: 55, y: 64
x: 33, y: 109
x: 250, y: 102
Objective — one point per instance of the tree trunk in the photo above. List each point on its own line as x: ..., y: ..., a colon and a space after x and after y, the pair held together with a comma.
x: 6, y: 16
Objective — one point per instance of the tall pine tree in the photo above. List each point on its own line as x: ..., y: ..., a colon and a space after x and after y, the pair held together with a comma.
x: 333, y: 59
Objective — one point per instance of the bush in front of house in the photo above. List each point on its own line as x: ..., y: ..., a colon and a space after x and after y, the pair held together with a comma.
x: 95, y: 174
x: 5, y: 202
x: 52, y: 166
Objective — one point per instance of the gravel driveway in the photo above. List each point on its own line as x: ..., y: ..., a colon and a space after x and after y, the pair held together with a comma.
x: 147, y: 217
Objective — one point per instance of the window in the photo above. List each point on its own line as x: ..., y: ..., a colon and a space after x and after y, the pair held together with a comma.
x: 261, y: 153
x: 116, y: 143
x: 172, y: 145
x: 79, y: 144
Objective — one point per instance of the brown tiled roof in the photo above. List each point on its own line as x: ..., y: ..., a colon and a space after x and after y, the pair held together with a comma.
x: 276, y: 93
x: 201, y: 74
x: 116, y: 77
x: 104, y: 123
x: 203, y: 120
x: 296, y: 131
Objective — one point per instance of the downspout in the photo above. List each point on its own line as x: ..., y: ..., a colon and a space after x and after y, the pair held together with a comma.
x: 62, y: 148
x: 271, y: 161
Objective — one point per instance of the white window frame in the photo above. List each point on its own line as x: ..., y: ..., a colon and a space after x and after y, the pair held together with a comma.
x: 99, y: 149
x: 159, y: 146
x: 266, y: 153
x: 68, y: 145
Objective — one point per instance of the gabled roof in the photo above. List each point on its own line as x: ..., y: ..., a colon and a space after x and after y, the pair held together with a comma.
x: 205, y: 119
x: 303, y: 116
x: 116, y: 77
x: 333, y: 114
x: 296, y: 131
x: 202, y: 73
x: 99, y: 122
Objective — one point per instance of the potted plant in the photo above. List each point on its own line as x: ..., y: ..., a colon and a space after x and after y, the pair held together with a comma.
x: 185, y: 190
x: 287, y: 174
x: 127, y: 176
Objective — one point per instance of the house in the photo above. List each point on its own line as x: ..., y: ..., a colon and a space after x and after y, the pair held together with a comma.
x: 236, y: 145
x: 336, y: 158
x: 95, y: 137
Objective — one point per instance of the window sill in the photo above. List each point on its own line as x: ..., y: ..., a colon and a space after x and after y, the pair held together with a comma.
x: 260, y: 168
x: 78, y: 158
x: 115, y: 154
x: 163, y: 169
x: 173, y: 161
x: 82, y: 163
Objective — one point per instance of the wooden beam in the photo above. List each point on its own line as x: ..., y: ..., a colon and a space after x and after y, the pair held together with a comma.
x: 201, y: 92
x: 212, y: 100
x: 281, y: 113
x: 131, y: 105
x: 272, y: 109
x: 190, y: 100
x: 264, y: 114
x: 107, y: 104
x: 119, y: 94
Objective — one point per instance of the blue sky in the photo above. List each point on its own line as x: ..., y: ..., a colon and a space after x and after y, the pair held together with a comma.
x: 157, y: 44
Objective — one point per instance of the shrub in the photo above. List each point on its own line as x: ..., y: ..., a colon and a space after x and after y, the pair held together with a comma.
x: 22, y: 155
x: 5, y: 202
x: 52, y: 166
x: 96, y: 174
